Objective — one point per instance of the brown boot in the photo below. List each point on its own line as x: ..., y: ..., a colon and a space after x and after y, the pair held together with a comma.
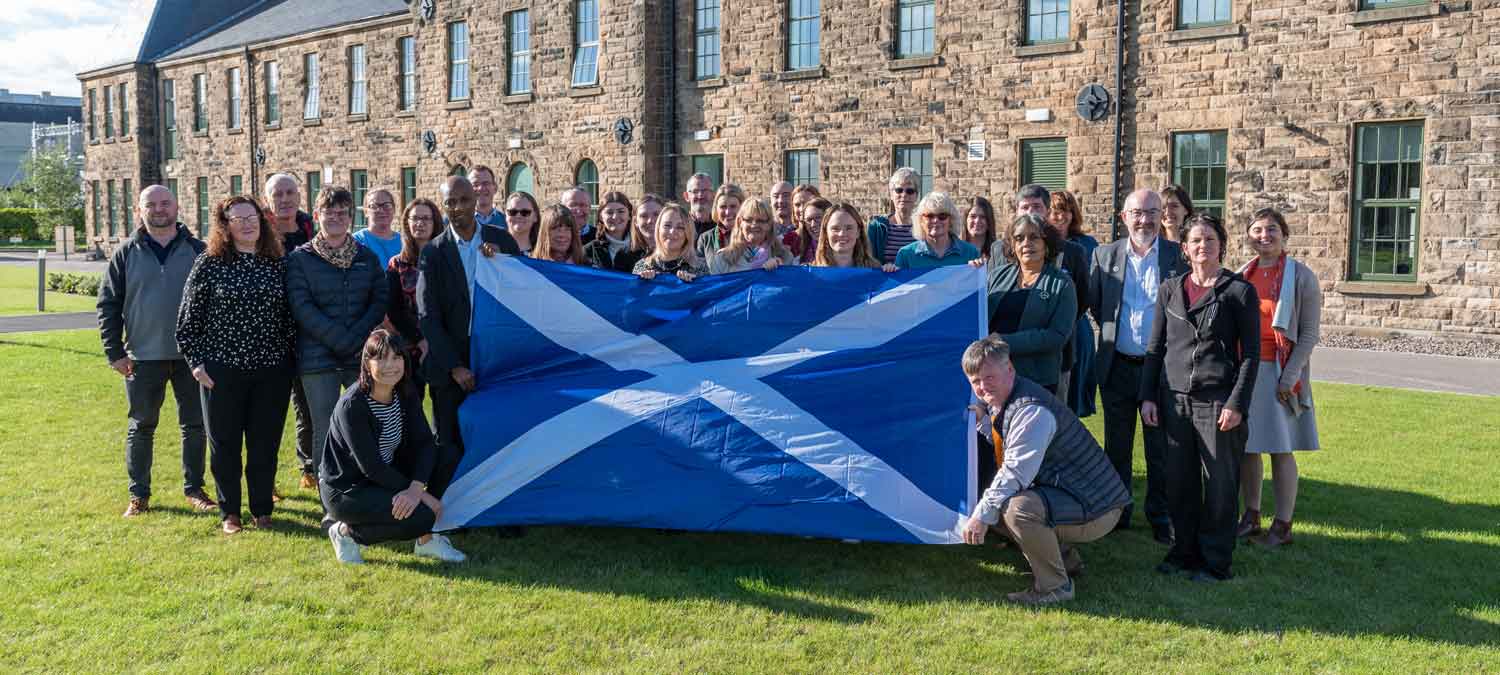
x: 137, y: 506
x: 1249, y: 524
x: 308, y: 482
x: 1280, y: 534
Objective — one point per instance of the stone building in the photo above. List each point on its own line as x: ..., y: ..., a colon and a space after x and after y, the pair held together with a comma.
x: 1374, y: 124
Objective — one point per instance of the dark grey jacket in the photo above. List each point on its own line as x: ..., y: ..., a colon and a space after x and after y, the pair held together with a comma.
x: 139, y: 296
x: 1047, y: 321
x: 1075, y: 478
x: 1107, y: 286
x: 335, y: 309
x: 1209, y: 349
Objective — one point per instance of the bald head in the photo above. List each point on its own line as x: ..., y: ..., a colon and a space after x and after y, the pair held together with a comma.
x: 1142, y: 217
x: 458, y: 202
x: 157, y: 208
x: 285, y: 196
x: 781, y: 201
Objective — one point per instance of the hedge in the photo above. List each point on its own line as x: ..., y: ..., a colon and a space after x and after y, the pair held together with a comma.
x: 36, y: 224
x: 77, y: 284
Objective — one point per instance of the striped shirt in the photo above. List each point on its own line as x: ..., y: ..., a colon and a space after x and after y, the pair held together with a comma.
x: 389, y: 415
x: 897, y: 236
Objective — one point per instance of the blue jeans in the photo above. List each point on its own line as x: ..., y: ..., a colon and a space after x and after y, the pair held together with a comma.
x: 145, y: 391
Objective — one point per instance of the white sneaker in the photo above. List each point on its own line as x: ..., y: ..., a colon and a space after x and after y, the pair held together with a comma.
x: 439, y: 547
x: 344, y: 546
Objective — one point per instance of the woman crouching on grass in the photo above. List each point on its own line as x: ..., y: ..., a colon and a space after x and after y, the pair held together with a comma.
x: 381, y: 475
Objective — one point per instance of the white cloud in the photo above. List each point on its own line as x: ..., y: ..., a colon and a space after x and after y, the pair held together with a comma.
x: 47, y: 43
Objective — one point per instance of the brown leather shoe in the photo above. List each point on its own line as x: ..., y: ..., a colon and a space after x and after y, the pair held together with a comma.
x: 276, y: 495
x: 261, y: 522
x: 1280, y: 534
x: 232, y: 525
x: 137, y: 506
x: 308, y: 482
x: 198, y: 500
x: 1249, y: 524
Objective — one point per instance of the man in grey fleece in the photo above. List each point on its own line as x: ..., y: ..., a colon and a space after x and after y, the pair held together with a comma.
x: 137, y: 322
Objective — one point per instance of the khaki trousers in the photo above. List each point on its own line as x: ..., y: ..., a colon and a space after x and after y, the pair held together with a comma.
x: 1025, y: 519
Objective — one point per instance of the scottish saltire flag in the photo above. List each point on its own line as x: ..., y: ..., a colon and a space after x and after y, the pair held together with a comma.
x: 805, y: 401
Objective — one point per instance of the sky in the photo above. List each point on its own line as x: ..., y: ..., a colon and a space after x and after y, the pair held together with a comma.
x: 46, y: 43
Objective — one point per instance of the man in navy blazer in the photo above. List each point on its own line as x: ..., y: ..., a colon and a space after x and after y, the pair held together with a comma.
x: 445, y: 284
x: 1123, y: 280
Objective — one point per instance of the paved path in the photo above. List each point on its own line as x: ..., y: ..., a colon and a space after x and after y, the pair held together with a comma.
x: 37, y: 322
x: 75, y: 263
x: 1455, y: 374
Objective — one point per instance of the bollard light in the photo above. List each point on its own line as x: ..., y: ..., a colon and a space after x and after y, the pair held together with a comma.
x: 41, y: 280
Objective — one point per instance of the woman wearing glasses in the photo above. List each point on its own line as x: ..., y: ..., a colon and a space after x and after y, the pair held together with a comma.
x: 889, y: 234
x: 235, y: 330
x: 521, y: 213
x: 937, y: 242
x: 1032, y: 304
x: 418, y: 222
x: 753, y: 243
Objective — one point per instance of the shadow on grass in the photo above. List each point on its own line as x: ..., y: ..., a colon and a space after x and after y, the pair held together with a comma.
x: 1396, y: 566
x: 51, y: 348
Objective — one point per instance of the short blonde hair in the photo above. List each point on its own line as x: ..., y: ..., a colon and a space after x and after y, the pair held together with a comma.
x: 902, y: 176
x: 934, y: 202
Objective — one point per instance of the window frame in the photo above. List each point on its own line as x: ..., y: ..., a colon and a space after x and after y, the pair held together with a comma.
x: 791, y: 163
x: 236, y: 98
x: 585, y: 52
x: 313, y: 183
x: 1359, y: 202
x: 517, y: 59
x: 717, y: 158
x: 357, y: 69
x: 169, y: 118
x: 272, y: 75
x: 589, y: 186
x: 1180, y: 21
x: 1179, y: 168
x: 459, y: 71
x: 98, y: 209
x: 926, y: 180
x: 124, y: 111
x: 200, y: 103
x: 109, y: 112
x: 812, y: 21
x: 704, y: 35
x: 359, y: 186
x: 406, y: 73
x: 203, y: 208
x: 1063, y: 26
x: 408, y: 188
x: 905, y: 34
x: 109, y: 197
x: 93, y: 122
x: 312, y: 86
x: 514, y: 173
x: 1368, y: 5
x: 126, y: 213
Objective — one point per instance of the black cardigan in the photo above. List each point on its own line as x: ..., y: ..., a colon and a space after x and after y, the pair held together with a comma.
x: 351, y: 455
x: 1212, y: 348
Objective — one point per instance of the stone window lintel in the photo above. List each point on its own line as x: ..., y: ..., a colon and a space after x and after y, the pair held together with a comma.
x: 1402, y: 288
x: 708, y: 83
x: 235, y: 131
x: 461, y: 104
x: 526, y: 97
x: 1365, y: 17
x: 1206, y: 32
x: 803, y: 74
x: 312, y: 121
x: 1047, y: 48
x: 585, y: 92
x: 916, y: 62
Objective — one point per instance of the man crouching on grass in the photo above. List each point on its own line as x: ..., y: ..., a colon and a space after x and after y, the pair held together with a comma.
x: 1055, y: 486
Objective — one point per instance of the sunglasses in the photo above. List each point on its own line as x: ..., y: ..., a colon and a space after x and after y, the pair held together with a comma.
x: 904, y: 191
x: 518, y: 213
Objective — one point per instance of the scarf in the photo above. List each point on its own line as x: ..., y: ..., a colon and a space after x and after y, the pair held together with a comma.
x: 341, y: 257
x: 1283, y: 277
x: 615, y: 245
x: 758, y: 256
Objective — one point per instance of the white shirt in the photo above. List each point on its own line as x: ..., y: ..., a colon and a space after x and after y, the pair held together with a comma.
x: 1138, y: 301
x: 1025, y: 447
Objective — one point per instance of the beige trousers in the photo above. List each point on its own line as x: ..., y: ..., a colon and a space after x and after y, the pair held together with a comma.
x: 1045, y: 547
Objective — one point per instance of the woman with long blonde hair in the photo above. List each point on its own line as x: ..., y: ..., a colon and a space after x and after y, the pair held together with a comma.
x: 674, y: 252
x: 753, y: 243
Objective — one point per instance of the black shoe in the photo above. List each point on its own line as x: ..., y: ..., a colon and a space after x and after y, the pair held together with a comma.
x: 1207, y: 577
x: 1162, y: 533
x: 1170, y: 568
x: 1122, y: 524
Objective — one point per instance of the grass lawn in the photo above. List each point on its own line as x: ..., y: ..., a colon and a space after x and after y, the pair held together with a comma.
x: 1398, y: 543
x: 18, y: 294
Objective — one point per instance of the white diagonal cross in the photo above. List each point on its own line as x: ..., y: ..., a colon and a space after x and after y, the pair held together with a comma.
x: 733, y: 385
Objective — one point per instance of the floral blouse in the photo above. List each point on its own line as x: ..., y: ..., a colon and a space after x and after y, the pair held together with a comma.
x: 235, y: 313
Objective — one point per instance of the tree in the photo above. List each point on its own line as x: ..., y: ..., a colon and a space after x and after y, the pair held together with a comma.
x: 53, y: 186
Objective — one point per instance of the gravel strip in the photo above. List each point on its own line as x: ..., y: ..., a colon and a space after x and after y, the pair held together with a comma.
x: 1488, y: 349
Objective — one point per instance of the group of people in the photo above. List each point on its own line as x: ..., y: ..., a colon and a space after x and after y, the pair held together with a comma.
x: 280, y: 308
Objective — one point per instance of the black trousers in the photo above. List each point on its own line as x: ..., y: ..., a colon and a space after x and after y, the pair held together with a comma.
x: 1121, y: 396
x: 367, y: 509
x: 249, y: 408
x: 446, y: 397
x: 306, y: 455
x: 1203, y: 482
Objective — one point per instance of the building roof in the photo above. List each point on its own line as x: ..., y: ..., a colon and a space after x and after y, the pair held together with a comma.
x: 226, y: 24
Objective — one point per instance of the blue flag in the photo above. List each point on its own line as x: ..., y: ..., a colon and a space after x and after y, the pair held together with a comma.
x: 810, y: 401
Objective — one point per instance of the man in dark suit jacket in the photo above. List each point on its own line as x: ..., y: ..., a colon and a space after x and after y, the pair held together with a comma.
x: 444, y: 287
x: 1123, y: 281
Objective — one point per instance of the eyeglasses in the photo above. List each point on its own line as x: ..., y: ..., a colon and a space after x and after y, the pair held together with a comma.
x: 904, y: 191
x: 419, y: 219
x: 243, y: 220
x: 383, y: 206
x: 518, y: 213
x: 1137, y: 213
x: 935, y: 216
